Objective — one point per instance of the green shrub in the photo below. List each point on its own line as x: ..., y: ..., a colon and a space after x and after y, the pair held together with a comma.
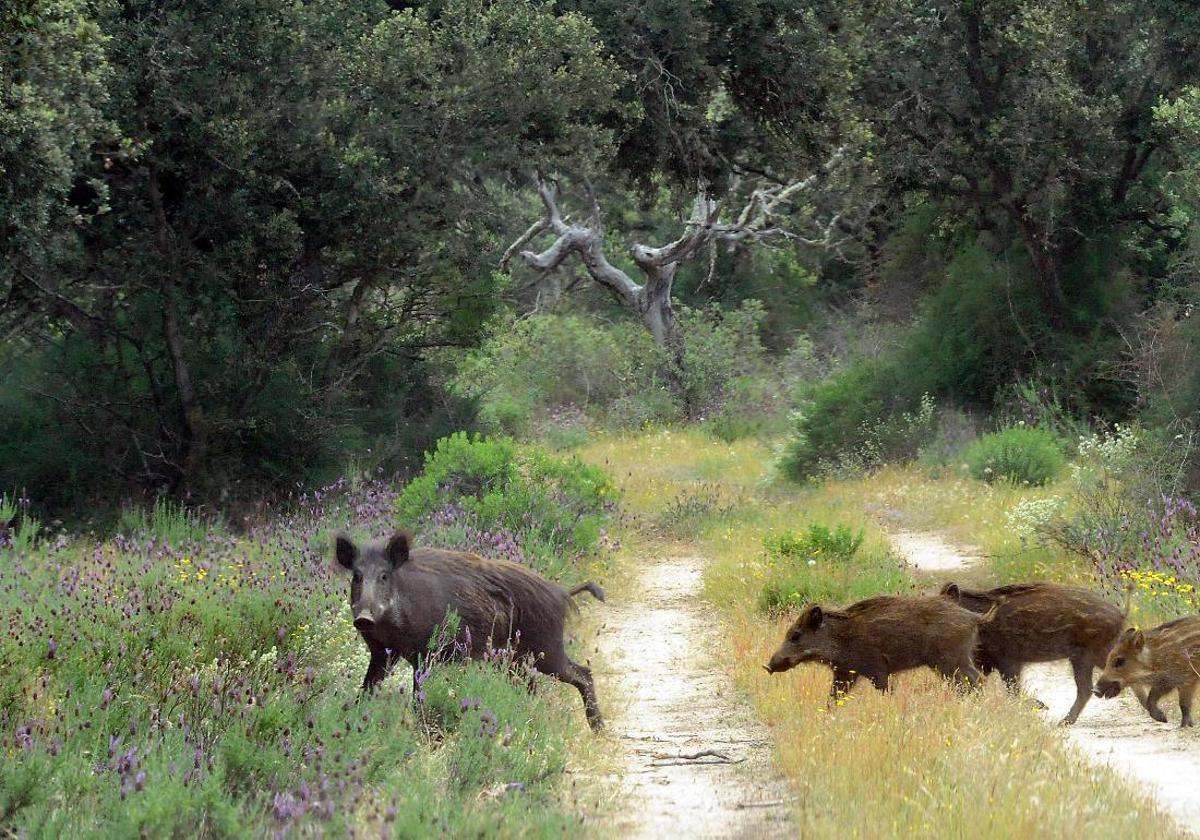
x: 721, y: 347
x: 857, y: 419
x: 1022, y: 454
x: 793, y: 582
x: 819, y: 542
x: 526, y: 505
x: 166, y: 521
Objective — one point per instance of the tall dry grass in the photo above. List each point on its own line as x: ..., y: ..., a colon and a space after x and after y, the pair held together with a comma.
x: 923, y: 760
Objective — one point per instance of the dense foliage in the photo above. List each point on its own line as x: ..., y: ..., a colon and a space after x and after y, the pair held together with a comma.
x: 236, y: 239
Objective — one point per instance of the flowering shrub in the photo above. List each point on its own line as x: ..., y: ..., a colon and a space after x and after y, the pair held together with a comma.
x: 208, y: 686
x: 1028, y: 516
x: 1105, y: 454
x: 484, y: 495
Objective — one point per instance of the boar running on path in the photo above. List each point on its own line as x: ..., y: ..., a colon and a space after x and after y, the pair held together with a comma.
x: 1163, y: 659
x: 1042, y: 622
x: 881, y: 636
x: 399, y: 597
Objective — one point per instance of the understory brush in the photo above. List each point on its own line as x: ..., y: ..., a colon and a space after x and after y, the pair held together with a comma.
x: 559, y: 376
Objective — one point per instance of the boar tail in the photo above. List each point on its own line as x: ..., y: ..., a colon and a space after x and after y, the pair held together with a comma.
x: 596, y: 591
x: 990, y: 614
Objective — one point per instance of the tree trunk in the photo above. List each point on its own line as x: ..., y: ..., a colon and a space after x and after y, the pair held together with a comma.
x: 191, y: 414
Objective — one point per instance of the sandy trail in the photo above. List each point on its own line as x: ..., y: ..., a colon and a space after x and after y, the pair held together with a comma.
x: 660, y: 646
x: 1158, y: 757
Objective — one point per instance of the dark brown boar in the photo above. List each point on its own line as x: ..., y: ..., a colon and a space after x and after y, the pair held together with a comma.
x: 399, y: 597
x: 1163, y: 659
x: 880, y: 636
x: 1042, y: 622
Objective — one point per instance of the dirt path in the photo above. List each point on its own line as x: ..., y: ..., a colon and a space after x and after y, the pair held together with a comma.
x: 660, y: 645
x: 1161, y: 758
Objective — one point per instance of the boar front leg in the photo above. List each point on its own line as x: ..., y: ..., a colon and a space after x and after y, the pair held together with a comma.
x: 843, y: 681
x: 381, y: 664
x: 1152, y: 697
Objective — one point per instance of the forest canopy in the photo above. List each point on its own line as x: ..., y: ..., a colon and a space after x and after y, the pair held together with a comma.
x: 243, y: 242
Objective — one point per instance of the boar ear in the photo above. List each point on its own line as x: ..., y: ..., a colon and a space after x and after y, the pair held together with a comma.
x: 814, y: 617
x: 345, y: 549
x: 397, y: 548
x: 1139, y: 640
x: 950, y: 590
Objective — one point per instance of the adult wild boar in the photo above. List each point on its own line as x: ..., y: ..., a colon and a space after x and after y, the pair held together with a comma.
x: 1163, y: 659
x: 1042, y: 622
x: 399, y: 596
x: 881, y: 636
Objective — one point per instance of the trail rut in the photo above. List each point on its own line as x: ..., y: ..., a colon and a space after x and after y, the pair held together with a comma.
x: 1160, y: 758
x: 696, y: 761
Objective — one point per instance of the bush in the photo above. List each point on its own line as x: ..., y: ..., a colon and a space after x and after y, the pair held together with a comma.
x: 1021, y: 454
x: 818, y: 543
x: 858, y: 419
x: 485, y: 495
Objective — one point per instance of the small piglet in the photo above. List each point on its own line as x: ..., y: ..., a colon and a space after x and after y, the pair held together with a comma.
x: 881, y: 636
x: 399, y: 597
x: 1042, y: 622
x: 1163, y: 659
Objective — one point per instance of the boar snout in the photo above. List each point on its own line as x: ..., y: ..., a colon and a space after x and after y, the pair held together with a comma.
x: 363, y: 622
x: 779, y: 664
x: 1107, y: 689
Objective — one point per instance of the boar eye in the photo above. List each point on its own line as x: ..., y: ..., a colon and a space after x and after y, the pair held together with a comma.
x: 794, y: 636
x: 383, y: 578
x: 356, y: 577
x: 1119, y: 661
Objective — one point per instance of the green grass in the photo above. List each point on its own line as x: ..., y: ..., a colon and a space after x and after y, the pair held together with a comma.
x: 164, y: 685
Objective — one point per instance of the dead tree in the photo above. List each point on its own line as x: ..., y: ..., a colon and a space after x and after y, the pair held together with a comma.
x: 758, y: 222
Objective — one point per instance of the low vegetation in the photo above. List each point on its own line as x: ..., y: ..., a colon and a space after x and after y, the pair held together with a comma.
x: 179, y: 680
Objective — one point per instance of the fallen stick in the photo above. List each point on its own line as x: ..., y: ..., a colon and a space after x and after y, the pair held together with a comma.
x: 668, y: 760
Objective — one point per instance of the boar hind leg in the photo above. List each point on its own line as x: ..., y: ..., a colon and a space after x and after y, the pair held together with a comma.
x: 960, y: 671
x: 562, y: 668
x: 1082, y: 669
x: 1187, y: 693
x: 580, y: 676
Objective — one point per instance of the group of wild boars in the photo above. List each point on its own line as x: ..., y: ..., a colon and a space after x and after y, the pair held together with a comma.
x: 1158, y: 661
x: 400, y: 596
x: 1042, y: 622
x: 1001, y: 629
x: 881, y: 636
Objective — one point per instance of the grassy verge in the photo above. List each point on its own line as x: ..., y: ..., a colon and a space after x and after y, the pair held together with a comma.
x: 185, y: 682
x: 922, y: 760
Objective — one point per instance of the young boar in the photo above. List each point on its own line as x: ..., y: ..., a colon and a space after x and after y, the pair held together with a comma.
x: 1042, y: 622
x: 399, y: 597
x: 1163, y: 659
x: 880, y: 636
